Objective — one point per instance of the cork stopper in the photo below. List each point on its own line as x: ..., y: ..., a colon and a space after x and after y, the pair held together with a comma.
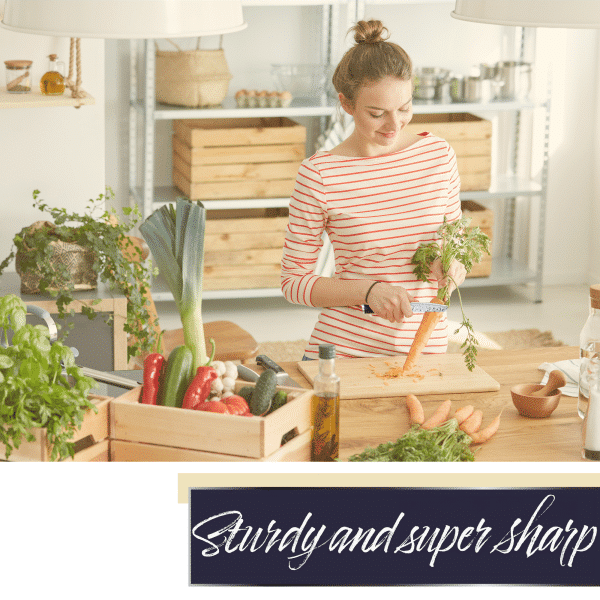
x: 18, y: 64
x: 595, y: 295
x: 326, y: 351
x: 53, y: 56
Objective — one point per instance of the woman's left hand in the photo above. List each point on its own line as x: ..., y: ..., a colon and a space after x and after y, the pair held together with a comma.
x: 454, y: 277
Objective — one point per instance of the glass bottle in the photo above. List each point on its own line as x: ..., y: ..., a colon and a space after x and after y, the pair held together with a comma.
x: 325, y: 444
x: 589, y: 350
x: 52, y: 82
x: 591, y: 423
x: 18, y: 76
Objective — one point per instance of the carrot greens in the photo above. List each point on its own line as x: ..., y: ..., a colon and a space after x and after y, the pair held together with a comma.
x: 466, y: 244
x: 446, y: 443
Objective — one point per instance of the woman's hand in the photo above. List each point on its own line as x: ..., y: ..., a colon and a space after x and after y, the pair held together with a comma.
x: 454, y: 277
x: 390, y: 302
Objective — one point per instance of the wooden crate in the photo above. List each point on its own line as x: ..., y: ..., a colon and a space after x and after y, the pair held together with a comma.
x: 140, y: 432
x: 471, y: 139
x: 216, y: 159
x: 243, y: 248
x: 91, y: 440
x: 484, y: 219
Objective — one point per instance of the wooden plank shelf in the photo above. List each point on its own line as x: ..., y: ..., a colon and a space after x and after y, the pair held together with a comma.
x: 35, y: 99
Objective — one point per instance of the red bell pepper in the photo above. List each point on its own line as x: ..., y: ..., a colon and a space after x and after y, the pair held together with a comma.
x: 215, y: 406
x: 153, y: 368
x: 236, y: 405
x: 199, y: 388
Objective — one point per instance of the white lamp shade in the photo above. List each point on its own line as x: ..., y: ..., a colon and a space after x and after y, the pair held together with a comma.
x: 124, y: 19
x: 571, y: 14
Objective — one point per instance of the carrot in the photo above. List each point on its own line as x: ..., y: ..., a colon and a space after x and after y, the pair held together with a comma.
x: 484, y: 435
x: 473, y: 423
x: 439, y: 416
x: 415, y: 409
x: 428, y: 323
x: 463, y: 413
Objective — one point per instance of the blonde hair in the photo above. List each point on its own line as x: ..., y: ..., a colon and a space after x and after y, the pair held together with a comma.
x: 371, y: 59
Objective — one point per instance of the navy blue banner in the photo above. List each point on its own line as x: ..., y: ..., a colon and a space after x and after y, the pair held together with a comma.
x: 394, y: 536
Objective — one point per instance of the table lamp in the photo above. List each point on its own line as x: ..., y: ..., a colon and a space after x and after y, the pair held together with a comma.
x: 120, y: 19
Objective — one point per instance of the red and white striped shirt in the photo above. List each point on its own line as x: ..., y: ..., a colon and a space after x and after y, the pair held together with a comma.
x: 377, y: 211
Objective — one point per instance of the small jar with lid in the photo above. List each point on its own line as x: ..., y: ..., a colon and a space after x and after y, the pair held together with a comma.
x: 18, y: 76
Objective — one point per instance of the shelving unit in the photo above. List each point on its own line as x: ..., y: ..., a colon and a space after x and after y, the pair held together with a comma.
x: 505, y: 188
x: 35, y: 99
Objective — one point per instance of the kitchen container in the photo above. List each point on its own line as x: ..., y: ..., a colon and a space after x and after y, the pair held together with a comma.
x: 303, y: 81
x: 217, y: 159
x: 470, y: 137
x: 466, y: 88
x: 428, y: 82
x: 18, y: 76
x: 589, y: 351
x: 243, y: 248
x: 91, y: 440
x: 537, y: 407
x: 516, y: 78
x: 143, y: 432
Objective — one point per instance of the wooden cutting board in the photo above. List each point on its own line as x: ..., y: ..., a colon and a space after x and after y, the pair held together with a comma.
x: 435, y: 374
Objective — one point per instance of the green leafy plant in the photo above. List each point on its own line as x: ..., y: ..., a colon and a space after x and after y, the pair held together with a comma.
x: 34, y: 388
x: 106, y: 235
x: 446, y: 443
x: 467, y: 245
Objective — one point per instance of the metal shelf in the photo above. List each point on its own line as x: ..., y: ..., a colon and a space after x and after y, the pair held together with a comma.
x: 504, y: 272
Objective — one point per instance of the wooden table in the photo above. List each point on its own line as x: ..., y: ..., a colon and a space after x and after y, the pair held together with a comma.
x: 372, y: 421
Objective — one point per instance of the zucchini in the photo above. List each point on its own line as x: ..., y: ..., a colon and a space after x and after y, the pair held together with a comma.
x: 177, y: 377
x: 246, y: 392
x: 263, y: 393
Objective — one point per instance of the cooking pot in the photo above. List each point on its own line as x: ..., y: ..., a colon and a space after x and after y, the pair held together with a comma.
x: 427, y: 80
x: 516, y: 80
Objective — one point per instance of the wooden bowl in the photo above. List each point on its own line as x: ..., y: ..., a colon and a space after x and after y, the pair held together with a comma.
x: 537, y: 407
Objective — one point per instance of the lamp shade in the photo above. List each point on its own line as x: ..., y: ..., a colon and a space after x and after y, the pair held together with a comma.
x: 123, y: 19
x: 571, y: 14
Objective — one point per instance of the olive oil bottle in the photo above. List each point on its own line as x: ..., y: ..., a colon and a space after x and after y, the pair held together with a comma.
x: 52, y: 82
x: 325, y: 443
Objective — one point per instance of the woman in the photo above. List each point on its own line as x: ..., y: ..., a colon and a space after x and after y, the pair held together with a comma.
x: 379, y: 195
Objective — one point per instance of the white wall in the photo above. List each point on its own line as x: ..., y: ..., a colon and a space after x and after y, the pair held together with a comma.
x: 57, y: 150
x: 432, y: 38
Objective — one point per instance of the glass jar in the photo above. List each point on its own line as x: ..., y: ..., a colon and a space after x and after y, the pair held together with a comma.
x: 589, y: 351
x: 52, y: 82
x: 18, y: 76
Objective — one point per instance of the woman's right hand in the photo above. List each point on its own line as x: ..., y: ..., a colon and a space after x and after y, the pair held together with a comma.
x: 390, y: 302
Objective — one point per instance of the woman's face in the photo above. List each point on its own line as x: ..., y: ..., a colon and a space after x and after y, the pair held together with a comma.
x: 381, y: 111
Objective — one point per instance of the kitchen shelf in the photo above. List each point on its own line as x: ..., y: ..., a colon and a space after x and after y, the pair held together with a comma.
x: 35, y: 99
x: 504, y: 188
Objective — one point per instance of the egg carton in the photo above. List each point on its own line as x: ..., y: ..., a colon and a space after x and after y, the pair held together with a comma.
x: 262, y: 99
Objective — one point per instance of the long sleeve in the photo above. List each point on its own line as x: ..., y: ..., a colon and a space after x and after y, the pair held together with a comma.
x: 303, y: 240
x: 453, y: 212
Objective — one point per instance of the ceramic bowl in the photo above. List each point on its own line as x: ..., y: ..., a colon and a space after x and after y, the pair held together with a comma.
x: 537, y: 407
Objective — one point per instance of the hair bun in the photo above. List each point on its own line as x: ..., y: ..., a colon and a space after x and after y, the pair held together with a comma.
x: 370, y: 32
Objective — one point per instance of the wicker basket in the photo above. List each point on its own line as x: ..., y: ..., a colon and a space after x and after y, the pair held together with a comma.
x: 194, y: 78
x: 78, y: 260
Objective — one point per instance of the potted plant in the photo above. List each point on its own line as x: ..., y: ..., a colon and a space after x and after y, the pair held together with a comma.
x: 73, y: 250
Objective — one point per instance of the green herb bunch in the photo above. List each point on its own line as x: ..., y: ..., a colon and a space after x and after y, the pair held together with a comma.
x: 467, y: 245
x: 446, y: 443
x: 106, y: 235
x: 34, y: 389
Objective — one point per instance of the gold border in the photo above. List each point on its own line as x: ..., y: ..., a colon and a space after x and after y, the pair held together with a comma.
x: 445, y: 480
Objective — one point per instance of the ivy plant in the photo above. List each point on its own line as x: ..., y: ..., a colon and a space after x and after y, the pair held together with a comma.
x: 107, y: 236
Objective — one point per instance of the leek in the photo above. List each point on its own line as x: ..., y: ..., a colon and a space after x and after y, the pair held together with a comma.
x: 175, y: 235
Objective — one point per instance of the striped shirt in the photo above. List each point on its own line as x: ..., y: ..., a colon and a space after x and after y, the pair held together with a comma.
x: 376, y: 211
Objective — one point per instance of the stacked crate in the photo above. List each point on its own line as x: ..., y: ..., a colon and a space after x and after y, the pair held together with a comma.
x: 471, y: 139
x: 484, y: 219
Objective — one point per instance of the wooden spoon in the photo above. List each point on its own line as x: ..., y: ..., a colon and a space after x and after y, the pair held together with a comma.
x: 556, y: 379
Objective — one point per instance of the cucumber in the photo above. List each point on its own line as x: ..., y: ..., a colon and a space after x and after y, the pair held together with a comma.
x: 246, y: 392
x: 263, y: 393
x: 279, y: 399
x: 177, y: 377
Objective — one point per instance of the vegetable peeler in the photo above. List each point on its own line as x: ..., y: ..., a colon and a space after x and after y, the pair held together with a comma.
x: 417, y: 307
